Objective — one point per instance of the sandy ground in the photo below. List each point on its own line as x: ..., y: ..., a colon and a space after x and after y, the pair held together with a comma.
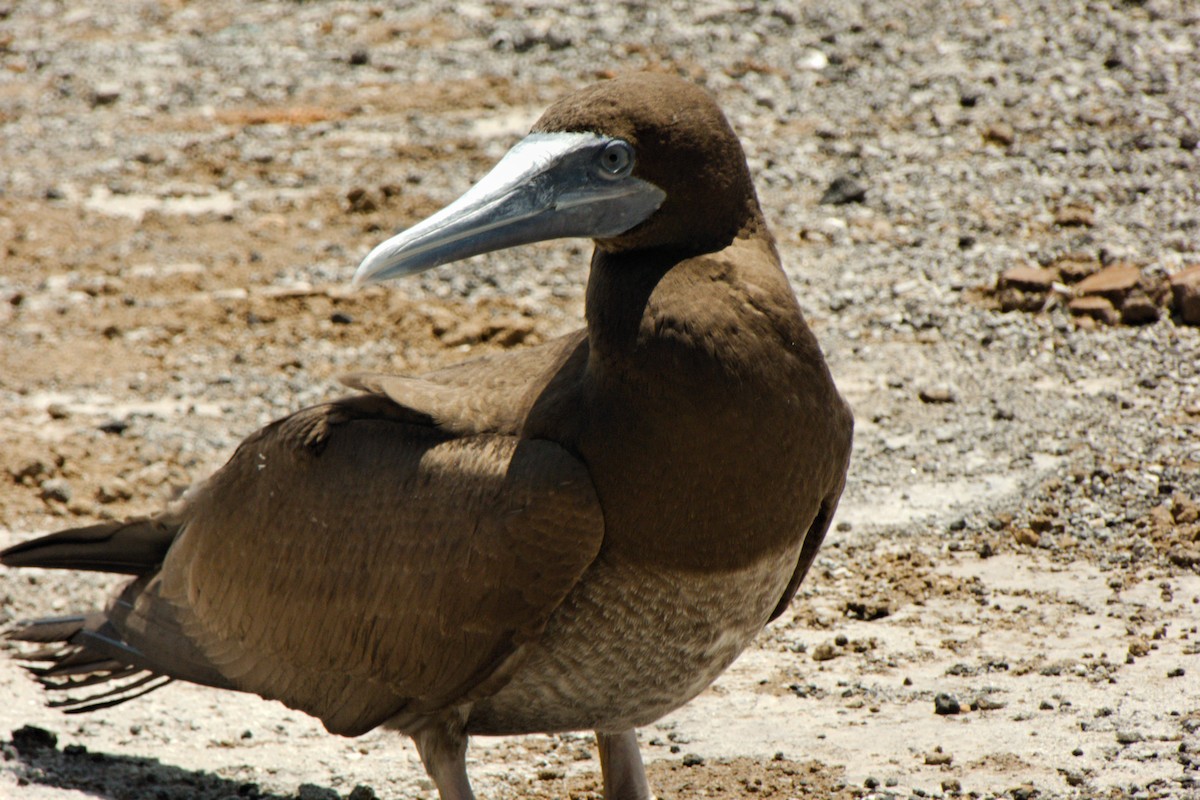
x: 187, y: 188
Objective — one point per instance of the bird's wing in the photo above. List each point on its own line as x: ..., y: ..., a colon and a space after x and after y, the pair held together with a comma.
x: 808, y: 553
x: 355, y: 565
x: 491, y: 393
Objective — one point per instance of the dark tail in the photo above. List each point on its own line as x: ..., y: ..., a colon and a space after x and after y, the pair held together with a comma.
x: 133, y: 547
x: 70, y: 660
x: 87, y: 650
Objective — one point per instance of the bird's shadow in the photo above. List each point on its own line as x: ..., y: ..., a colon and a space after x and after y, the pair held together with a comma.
x: 119, y: 777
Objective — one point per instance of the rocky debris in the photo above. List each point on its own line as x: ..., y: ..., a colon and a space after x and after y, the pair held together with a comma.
x: 1027, y: 537
x: 939, y: 758
x: 1117, y: 293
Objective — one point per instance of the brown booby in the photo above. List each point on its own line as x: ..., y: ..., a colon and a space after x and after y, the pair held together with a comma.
x: 577, y: 535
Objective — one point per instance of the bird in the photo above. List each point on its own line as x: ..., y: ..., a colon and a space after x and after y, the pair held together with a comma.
x: 581, y: 534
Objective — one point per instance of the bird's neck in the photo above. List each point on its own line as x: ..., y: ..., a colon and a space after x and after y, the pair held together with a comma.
x: 704, y: 390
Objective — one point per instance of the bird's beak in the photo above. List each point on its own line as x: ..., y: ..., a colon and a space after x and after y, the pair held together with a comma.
x: 548, y: 186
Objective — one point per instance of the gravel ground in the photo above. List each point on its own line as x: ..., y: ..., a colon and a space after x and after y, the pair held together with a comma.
x: 1009, y: 605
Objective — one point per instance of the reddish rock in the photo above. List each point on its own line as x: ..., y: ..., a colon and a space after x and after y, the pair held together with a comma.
x: 1094, y: 307
x: 1185, y: 293
x: 1113, y: 283
x: 1027, y: 279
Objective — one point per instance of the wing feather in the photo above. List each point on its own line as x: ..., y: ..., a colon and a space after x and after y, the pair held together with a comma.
x: 353, y: 564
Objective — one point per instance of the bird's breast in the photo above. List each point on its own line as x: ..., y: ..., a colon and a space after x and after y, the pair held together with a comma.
x: 632, y: 643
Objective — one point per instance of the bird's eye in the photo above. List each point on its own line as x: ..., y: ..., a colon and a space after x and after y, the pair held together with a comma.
x: 616, y: 159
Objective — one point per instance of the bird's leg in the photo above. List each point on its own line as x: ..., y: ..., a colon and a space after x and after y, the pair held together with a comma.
x: 621, y: 766
x: 443, y: 748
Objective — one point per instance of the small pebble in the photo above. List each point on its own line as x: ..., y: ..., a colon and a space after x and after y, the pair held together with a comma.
x: 945, y: 704
x: 843, y: 190
x: 56, y: 489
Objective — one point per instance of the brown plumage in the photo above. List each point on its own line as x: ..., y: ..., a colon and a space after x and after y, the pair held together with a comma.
x: 578, y: 535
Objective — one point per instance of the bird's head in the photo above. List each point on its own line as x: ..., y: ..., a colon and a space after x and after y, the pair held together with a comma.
x: 639, y: 162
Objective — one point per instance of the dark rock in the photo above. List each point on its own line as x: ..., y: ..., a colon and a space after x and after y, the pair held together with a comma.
x: 1138, y: 309
x: 310, y: 791
x: 114, y: 426
x: 30, y: 739
x: 692, y: 760
x: 360, y: 57
x: 843, y: 190
x: 946, y: 704
x: 341, y: 318
x: 361, y: 201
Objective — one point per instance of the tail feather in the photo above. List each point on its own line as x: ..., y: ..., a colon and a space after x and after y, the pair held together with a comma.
x: 122, y: 693
x: 76, y: 655
x: 51, y: 629
x: 139, y: 643
x: 132, y: 547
